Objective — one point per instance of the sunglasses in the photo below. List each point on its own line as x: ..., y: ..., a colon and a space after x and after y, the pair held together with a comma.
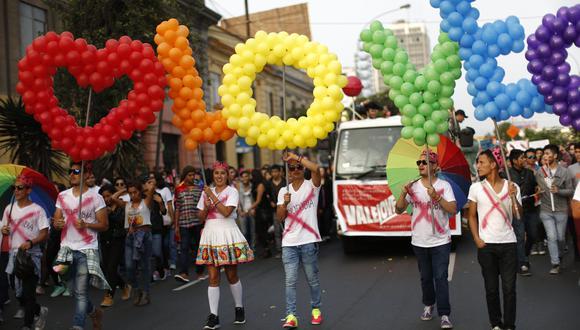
x: 20, y: 187
x: 74, y: 171
x: 531, y: 157
x: 423, y: 162
x: 295, y: 168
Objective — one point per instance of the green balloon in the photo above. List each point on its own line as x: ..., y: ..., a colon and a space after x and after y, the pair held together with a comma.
x: 407, y: 121
x: 441, y: 65
x: 446, y: 78
x: 446, y: 91
x: 376, y: 26
x: 431, y: 74
x: 418, y: 120
x: 445, y: 103
x: 387, y: 78
x: 433, y: 139
x: 436, y: 117
x: 396, y: 82
x: 366, y: 35
x: 377, y: 63
x: 410, y: 76
x: 401, y: 100
x: 367, y: 47
x: 429, y: 97
x: 430, y: 127
x: 393, y: 92
x: 416, y: 99
x: 434, y: 87
x: 454, y: 61
x: 420, y: 82
x: 387, y: 67
x: 399, y: 69
x: 437, y: 54
x: 443, y: 127
x: 407, y: 89
x: 389, y: 54
x: 391, y: 42
x: 419, y: 142
x: 449, y: 48
x: 401, y: 57
x: 376, y: 51
x: 379, y: 37
x: 435, y: 106
x: 419, y: 135
x: 443, y: 37
x: 410, y: 66
x: 407, y: 132
x: 409, y: 110
x: 456, y: 73
x: 425, y: 110
x: 444, y: 114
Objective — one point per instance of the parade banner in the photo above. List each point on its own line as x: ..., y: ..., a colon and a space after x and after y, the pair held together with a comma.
x: 368, y: 209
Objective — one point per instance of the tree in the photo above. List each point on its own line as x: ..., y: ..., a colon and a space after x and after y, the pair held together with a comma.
x: 22, y: 139
x: 382, y: 99
x: 556, y: 135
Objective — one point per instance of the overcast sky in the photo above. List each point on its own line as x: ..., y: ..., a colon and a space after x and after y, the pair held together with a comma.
x: 338, y: 23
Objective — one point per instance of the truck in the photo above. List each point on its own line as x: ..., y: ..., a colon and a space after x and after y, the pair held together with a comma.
x: 363, y: 202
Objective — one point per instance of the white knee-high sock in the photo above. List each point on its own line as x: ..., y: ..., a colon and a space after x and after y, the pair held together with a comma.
x: 237, y: 293
x: 213, y: 296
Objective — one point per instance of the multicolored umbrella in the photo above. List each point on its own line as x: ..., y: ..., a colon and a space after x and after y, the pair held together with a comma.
x: 43, y: 192
x: 402, y: 167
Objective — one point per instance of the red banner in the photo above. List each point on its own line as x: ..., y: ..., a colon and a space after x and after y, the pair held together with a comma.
x: 371, y: 208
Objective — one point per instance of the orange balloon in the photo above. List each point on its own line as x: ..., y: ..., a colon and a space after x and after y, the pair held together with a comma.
x: 179, y: 102
x: 181, y: 43
x: 202, y: 124
x: 163, y: 48
x: 185, y: 92
x: 196, y: 133
x: 189, y: 81
x: 176, y: 121
x: 183, y: 114
x: 175, y: 54
x: 198, y: 93
x: 173, y: 93
x: 182, y: 31
x: 217, y: 127
x: 190, y: 144
x: 188, y: 125
x: 208, y: 134
x: 178, y: 72
x: 168, y: 64
x: 170, y: 36
x: 186, y: 61
x: 198, y: 116
x: 175, y: 83
x: 192, y: 105
x: 227, y: 134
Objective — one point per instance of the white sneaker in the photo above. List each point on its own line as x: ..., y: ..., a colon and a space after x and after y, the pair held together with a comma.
x: 496, y: 328
x: 427, y: 313
x: 40, y: 322
x: 19, y: 314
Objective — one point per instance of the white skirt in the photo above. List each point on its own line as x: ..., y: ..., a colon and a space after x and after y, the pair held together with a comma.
x: 222, y: 243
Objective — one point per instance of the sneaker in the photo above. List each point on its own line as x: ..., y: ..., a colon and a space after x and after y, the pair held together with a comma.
x: 541, y: 249
x: 524, y: 271
x: 40, y: 290
x: 427, y: 313
x: 555, y: 270
x: 58, y: 290
x: 40, y: 322
x: 534, y: 251
x: 446, y: 323
x: 316, y: 316
x: 97, y: 317
x: 156, y: 276
x: 291, y: 322
x: 496, y: 328
x: 144, y: 300
x: 182, y: 278
x: 19, y: 314
x: 66, y: 292
x: 164, y: 276
x: 202, y: 277
x: 107, y: 300
x: 213, y: 322
x: 240, y: 316
x: 126, y: 292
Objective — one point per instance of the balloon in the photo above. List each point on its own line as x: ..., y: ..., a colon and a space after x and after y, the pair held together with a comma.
x: 549, y: 67
x: 479, y: 47
x: 174, y: 52
x: 423, y: 97
x: 97, y: 69
x: 321, y: 65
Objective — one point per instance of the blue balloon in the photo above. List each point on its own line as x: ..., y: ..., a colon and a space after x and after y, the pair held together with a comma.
x: 502, y: 100
x: 482, y: 98
x: 487, y: 70
x: 444, y: 25
x: 473, y: 13
x: 455, y: 19
x: 472, y: 74
x: 493, y: 88
x: 493, y: 51
x: 504, y: 115
x: 476, y: 61
x: 455, y: 33
x: 465, y: 53
x: 518, y: 46
x: 516, y: 31
x: 514, y: 109
x: 500, y: 27
x: 479, y: 48
x: 480, y: 113
x: 523, y: 99
x: 480, y: 83
x: 498, y: 74
x: 527, y: 113
x: 489, y: 35
x: 491, y: 110
x: 446, y: 7
x: 504, y: 41
x: 512, y: 90
x: 435, y: 3
x: 469, y: 25
x: 466, y: 41
x: 537, y: 104
x: 463, y: 8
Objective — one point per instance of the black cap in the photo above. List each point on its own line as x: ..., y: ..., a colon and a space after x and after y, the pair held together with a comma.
x: 461, y: 112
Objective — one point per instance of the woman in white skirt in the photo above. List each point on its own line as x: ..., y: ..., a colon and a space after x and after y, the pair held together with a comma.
x: 222, y: 243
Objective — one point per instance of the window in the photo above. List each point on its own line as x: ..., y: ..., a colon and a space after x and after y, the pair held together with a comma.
x: 271, y: 99
x: 32, y: 24
x: 214, y: 83
x: 281, y: 107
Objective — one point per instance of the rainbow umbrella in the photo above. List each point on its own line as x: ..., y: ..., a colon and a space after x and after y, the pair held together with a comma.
x: 43, y: 192
x: 402, y: 167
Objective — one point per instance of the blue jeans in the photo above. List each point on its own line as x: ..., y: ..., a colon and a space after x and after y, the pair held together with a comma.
x: 157, y: 250
x: 169, y: 242
x: 555, y: 225
x: 433, y: 266
x: 248, y: 229
x: 80, y: 277
x: 520, y: 231
x: 190, y: 238
x: 292, y: 256
x: 143, y: 260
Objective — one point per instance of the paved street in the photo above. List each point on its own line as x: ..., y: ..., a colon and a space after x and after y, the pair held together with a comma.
x: 374, y: 289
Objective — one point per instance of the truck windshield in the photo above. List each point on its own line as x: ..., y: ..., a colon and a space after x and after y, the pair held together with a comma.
x: 362, y: 152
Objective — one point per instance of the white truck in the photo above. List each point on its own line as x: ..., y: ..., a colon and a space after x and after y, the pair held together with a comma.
x: 363, y: 202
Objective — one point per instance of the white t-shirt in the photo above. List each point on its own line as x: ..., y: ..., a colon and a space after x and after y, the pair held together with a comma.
x: 422, y: 227
x: 125, y: 198
x: 167, y: 197
x: 25, y: 223
x: 301, y: 225
x: 495, y: 226
x: 95, y: 189
x: 72, y: 237
x: 229, y: 197
x: 577, y: 192
x: 138, y: 216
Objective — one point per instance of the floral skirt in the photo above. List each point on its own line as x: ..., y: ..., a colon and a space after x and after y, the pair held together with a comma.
x: 222, y: 244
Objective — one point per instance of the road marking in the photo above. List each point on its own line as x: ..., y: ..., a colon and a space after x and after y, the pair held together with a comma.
x: 187, y: 285
x: 451, y: 266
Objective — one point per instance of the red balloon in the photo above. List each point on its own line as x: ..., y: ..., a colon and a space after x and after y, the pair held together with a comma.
x: 111, y: 45
x: 88, y: 57
x: 353, y: 86
x: 39, y: 44
x: 141, y: 124
x: 124, y: 50
x: 66, y: 44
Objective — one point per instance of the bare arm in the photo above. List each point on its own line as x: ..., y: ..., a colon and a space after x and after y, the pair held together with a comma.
x: 282, y: 210
x: 259, y: 195
x: 58, y: 219
x: 102, y: 223
x: 473, y: 224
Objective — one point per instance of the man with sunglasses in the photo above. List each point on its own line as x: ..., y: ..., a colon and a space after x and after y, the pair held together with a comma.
x: 79, y: 252
x: 24, y: 227
x: 297, y: 210
x: 531, y: 160
x: 433, y: 203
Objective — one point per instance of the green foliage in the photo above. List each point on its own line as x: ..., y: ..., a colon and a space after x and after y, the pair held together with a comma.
x: 22, y: 139
x: 556, y: 135
x: 381, y: 99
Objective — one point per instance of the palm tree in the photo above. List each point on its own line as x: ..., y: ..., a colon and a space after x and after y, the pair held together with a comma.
x: 22, y: 139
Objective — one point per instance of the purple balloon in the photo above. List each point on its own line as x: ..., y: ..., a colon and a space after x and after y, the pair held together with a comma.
x: 562, y: 80
x: 543, y: 34
x: 574, y: 13
x: 563, y: 13
x: 548, y: 20
x: 536, y: 79
x: 569, y: 34
x: 574, y: 110
x: 556, y: 42
x: 573, y: 95
x: 531, y: 54
x: 560, y: 93
x: 535, y: 67
x: 566, y: 120
x: 545, y: 87
x: 574, y: 82
x: 560, y: 108
x: 549, y: 99
x: 544, y: 50
x: 549, y: 72
x: 533, y: 42
x: 564, y: 68
x: 557, y: 58
x: 576, y: 124
x: 558, y: 25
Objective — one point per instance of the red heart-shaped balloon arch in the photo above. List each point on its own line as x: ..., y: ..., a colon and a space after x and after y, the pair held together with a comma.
x: 97, y: 69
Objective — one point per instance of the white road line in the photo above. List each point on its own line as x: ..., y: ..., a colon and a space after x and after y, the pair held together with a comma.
x: 451, y: 266
x: 187, y: 285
